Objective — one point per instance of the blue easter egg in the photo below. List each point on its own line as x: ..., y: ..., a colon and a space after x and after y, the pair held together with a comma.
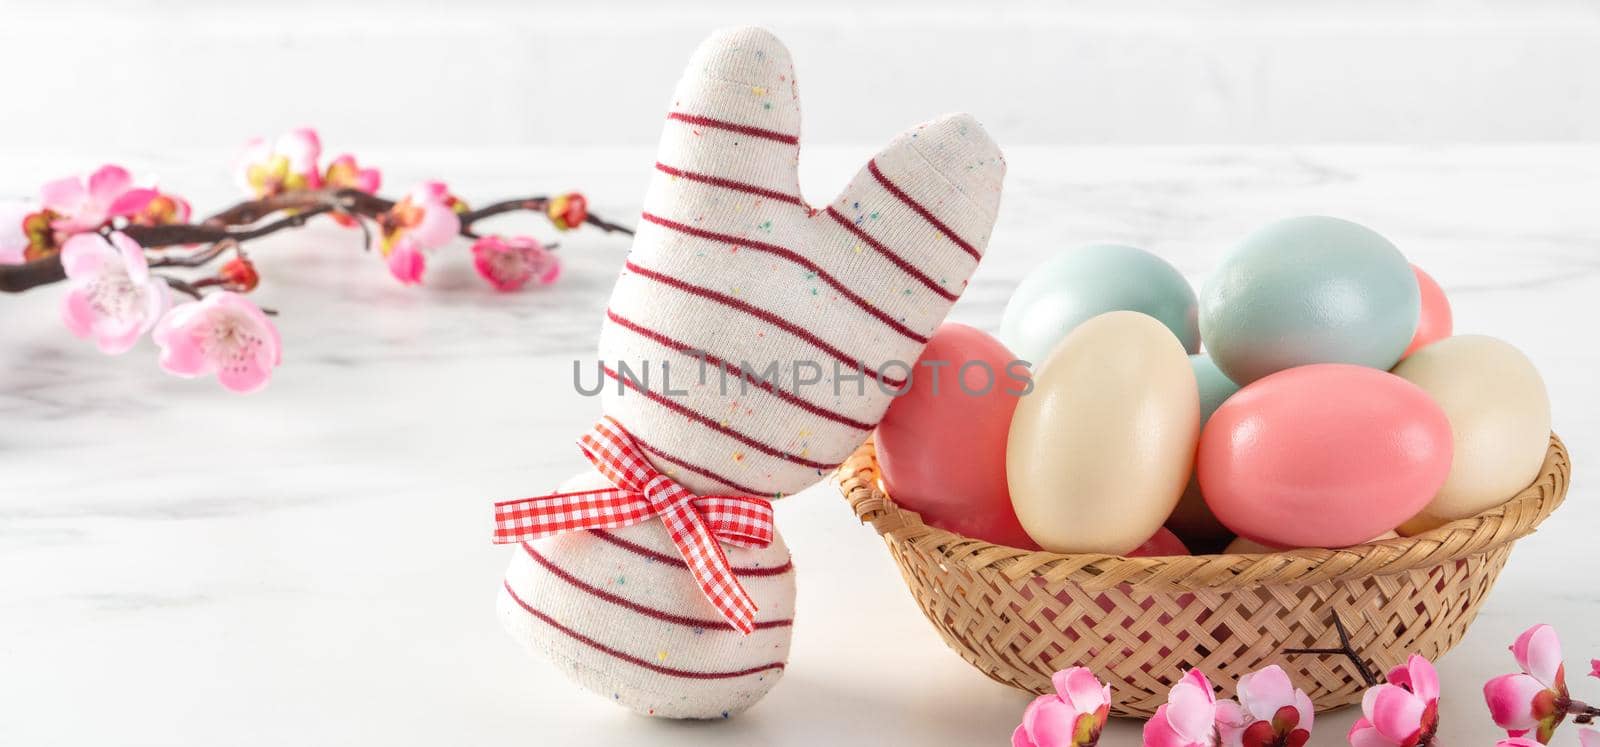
x: 1082, y: 283
x: 1309, y: 290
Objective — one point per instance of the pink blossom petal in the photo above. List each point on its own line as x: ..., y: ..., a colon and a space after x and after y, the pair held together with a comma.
x: 181, y: 353
x: 1308, y: 711
x: 1594, y: 668
x: 1418, y: 676
x: 245, y: 377
x: 438, y: 226
x: 1393, y: 711
x: 115, y: 337
x: 65, y: 196
x: 85, y: 256
x: 369, y: 180
x: 271, y: 351
x: 406, y: 263
x: 1081, y: 689
x: 157, y: 298
x: 1538, y: 652
x: 1049, y: 721
x: 1589, y: 737
x: 1510, y: 700
x: 133, y: 259
x: 1019, y: 738
x: 1231, y: 720
x: 1159, y: 732
x: 1193, y: 706
x: 1519, y: 742
x: 77, y: 313
x: 132, y: 202
x: 302, y: 147
x: 1264, y: 691
x: 108, y: 183
x: 1362, y: 734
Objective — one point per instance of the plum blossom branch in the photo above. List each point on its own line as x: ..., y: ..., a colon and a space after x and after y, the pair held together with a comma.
x: 125, y: 251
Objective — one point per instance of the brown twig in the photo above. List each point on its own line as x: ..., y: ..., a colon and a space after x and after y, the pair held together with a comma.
x: 1346, y: 650
x: 242, y: 222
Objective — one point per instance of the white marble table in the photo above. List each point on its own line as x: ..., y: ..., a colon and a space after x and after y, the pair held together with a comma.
x: 310, y: 565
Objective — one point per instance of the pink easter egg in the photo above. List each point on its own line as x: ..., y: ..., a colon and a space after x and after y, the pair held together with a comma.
x: 1326, y: 455
x: 942, y: 444
x: 1163, y: 542
x: 1435, y: 322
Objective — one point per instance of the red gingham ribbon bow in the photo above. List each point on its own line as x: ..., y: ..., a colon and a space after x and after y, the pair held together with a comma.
x: 695, y: 522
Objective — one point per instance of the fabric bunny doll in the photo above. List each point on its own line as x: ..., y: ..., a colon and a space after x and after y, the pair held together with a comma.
x: 657, y: 580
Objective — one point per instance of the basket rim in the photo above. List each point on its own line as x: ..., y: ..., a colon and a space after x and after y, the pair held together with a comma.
x: 857, y: 479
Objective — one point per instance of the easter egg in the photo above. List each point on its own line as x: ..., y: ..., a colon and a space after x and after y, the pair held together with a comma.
x: 1434, y: 322
x: 1499, y: 419
x: 1162, y: 543
x: 942, y: 444
x: 1081, y: 283
x: 1309, y: 290
x: 1099, y: 452
x: 1327, y: 455
x: 1192, y: 519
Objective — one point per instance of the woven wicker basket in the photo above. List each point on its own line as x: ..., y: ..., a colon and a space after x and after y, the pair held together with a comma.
x: 1018, y: 615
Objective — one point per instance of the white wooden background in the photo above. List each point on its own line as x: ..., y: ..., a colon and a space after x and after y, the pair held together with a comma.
x: 143, y: 75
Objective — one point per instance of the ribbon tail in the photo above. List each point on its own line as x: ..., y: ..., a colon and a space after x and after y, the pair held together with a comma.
x: 710, y: 567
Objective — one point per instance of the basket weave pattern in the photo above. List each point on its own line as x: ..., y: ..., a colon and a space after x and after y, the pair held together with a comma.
x: 1018, y: 615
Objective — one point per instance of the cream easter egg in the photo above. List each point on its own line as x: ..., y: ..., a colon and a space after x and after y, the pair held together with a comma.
x: 1499, y: 418
x: 1100, y: 451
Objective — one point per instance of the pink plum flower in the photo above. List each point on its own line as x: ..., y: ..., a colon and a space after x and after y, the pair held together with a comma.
x: 1072, y: 717
x: 84, y: 204
x: 1404, y: 712
x: 1188, y: 718
x: 1589, y: 737
x: 1271, y: 712
x: 344, y: 173
x: 225, y: 334
x: 509, y: 263
x: 288, y: 164
x: 406, y: 262
x: 1594, y: 668
x: 426, y: 214
x: 1537, y: 697
x: 111, y: 295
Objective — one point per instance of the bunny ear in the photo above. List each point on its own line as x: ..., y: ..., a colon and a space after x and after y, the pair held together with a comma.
x: 735, y: 118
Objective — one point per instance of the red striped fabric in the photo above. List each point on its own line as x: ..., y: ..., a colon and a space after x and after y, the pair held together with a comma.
x: 766, y: 316
x: 890, y: 255
x: 737, y: 186
x: 714, y: 424
x: 742, y: 129
x: 690, y: 467
x: 794, y: 257
x: 920, y: 210
x: 661, y: 557
x: 629, y: 658
x: 743, y: 374
x: 629, y: 604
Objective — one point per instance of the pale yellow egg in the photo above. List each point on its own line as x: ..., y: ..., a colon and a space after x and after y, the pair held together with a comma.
x: 1499, y: 419
x: 1101, y: 450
